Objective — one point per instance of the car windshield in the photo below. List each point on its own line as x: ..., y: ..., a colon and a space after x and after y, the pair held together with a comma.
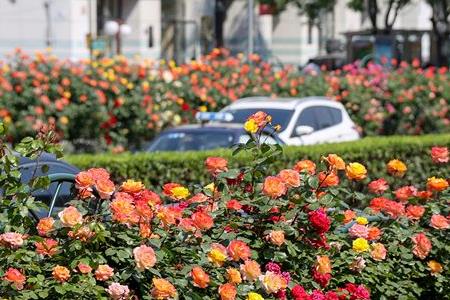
x: 192, y: 141
x: 279, y: 116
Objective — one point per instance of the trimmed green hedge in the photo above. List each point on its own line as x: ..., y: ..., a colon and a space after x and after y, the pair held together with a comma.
x: 155, y: 169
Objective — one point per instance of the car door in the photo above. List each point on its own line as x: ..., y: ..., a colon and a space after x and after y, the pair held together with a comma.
x: 323, y: 119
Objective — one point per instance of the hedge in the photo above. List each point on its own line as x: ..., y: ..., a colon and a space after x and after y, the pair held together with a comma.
x: 155, y: 169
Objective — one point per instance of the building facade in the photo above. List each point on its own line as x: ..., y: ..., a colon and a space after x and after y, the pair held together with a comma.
x: 179, y: 29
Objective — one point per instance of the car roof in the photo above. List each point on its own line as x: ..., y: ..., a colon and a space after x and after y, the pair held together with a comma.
x: 280, y: 103
x: 211, y: 127
x: 206, y: 127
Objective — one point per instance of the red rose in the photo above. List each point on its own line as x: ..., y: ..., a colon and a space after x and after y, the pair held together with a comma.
x: 319, y: 220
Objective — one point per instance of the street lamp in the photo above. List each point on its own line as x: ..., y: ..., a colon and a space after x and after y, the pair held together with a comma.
x: 117, y: 29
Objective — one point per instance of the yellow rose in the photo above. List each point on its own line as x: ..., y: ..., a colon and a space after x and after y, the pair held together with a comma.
x: 360, y: 245
x: 396, y: 168
x: 355, y: 171
x: 254, y: 296
x: 251, y: 126
x: 217, y: 256
x: 362, y: 221
x: 180, y: 192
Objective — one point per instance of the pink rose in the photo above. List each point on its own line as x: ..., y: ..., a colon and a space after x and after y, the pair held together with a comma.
x: 117, y: 291
x: 422, y: 245
x: 440, y: 222
x: 144, y: 256
x: 359, y: 231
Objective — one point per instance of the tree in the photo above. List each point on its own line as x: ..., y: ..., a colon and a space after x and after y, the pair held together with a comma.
x: 220, y: 11
x: 440, y: 20
x: 371, y: 8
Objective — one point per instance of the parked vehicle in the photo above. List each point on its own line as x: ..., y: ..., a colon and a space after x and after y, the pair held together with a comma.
x: 33, y: 168
x: 205, y: 137
x: 303, y: 121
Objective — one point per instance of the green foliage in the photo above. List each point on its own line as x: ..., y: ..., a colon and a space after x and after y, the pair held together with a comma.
x: 115, y: 101
x: 155, y: 169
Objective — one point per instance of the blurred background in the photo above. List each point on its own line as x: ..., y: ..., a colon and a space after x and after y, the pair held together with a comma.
x: 331, y: 32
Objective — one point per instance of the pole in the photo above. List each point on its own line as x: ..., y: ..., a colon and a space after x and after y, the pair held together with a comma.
x: 250, y: 27
x: 48, y: 31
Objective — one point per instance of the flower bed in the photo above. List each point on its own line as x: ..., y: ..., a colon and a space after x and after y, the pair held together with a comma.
x: 155, y: 169
x: 249, y: 234
x: 125, y: 102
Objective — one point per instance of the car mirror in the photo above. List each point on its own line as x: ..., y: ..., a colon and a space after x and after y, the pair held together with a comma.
x: 303, y: 130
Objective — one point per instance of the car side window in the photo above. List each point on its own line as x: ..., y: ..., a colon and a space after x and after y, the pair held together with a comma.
x: 336, y: 115
x: 324, y: 118
x: 320, y: 117
x: 307, y: 118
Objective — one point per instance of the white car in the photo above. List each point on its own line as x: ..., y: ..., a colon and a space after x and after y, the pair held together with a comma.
x: 304, y: 121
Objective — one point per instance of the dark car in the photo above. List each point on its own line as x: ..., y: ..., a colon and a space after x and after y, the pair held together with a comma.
x: 205, y: 137
x: 33, y: 168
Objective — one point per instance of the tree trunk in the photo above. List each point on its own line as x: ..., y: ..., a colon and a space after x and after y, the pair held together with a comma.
x: 372, y: 9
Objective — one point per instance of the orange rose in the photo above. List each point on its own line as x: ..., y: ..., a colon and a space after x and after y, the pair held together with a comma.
x: 323, y: 265
x: 355, y: 171
x: 144, y: 256
x: 45, y: 225
x: 123, y: 209
x: 70, y: 217
x: 98, y: 173
x: 163, y: 289
x: 250, y: 270
x: 378, y: 252
x: 202, y: 220
x: 349, y: 215
x: 47, y: 247
x: 436, y: 184
x: 84, y: 233
x: 405, y: 192
x: 274, y: 187
x: 104, y: 272
x: 328, y: 179
x: 61, y: 273
x: 84, y: 182
x: 84, y: 268
x: 439, y: 155
x: 84, y: 179
x: 168, y: 215
x: 305, y: 165
x: 396, y: 168
x: 273, y: 282
x: 276, y: 237
x: 105, y: 188
x: 440, y: 222
x: 435, y: 267
x: 335, y: 162
x: 227, y: 291
x: 260, y: 118
x: 234, y: 276
x: 238, y: 250
x: 374, y: 233
x: 290, y: 178
x: 215, y: 165
x: 414, y: 212
x: 422, y: 245
x: 201, y: 279
x: 15, y: 277
x: 131, y: 186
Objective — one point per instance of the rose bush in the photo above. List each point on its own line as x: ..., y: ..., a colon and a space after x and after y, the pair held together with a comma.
x: 134, y: 99
x: 249, y: 234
